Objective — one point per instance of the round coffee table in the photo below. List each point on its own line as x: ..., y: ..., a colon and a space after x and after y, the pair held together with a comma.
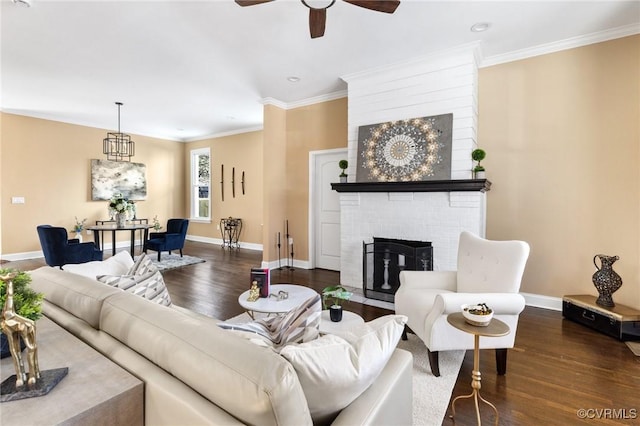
x: 271, y: 305
x: 349, y: 321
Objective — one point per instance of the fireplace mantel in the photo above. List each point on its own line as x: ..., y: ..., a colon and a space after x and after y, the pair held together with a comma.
x: 482, y: 185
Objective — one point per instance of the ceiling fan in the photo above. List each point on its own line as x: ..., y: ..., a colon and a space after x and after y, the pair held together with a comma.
x: 318, y: 15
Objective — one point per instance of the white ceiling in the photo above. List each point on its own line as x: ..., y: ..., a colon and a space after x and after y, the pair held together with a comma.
x: 191, y: 69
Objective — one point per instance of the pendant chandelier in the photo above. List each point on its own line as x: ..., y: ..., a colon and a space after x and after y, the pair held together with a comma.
x: 118, y: 146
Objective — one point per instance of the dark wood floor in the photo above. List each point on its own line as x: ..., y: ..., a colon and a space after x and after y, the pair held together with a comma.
x: 556, y: 369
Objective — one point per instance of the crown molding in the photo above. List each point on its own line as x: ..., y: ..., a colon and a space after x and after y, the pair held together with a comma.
x: 305, y: 102
x: 223, y: 134
x: 557, y: 46
x: 464, y: 49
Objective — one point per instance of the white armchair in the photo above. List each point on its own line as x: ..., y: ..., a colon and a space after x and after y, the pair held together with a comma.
x: 488, y: 272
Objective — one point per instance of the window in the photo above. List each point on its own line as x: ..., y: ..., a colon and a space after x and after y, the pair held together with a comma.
x: 200, y: 184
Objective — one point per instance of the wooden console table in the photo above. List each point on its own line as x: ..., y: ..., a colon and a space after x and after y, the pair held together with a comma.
x: 619, y: 321
x: 96, y: 391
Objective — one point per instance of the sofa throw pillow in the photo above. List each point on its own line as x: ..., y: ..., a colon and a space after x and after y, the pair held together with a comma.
x: 143, y: 279
x: 298, y: 325
x: 334, y: 371
x: 118, y: 264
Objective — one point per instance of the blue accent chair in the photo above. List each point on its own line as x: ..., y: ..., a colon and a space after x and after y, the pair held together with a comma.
x: 172, y: 239
x: 59, y: 250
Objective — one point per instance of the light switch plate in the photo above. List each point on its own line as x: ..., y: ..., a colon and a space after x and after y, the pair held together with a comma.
x: 17, y: 200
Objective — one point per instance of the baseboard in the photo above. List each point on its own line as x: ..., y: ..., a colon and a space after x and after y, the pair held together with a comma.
x: 285, y: 263
x: 218, y: 241
x: 541, y: 301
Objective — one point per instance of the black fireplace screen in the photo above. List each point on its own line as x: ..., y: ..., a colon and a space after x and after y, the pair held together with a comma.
x: 383, y: 260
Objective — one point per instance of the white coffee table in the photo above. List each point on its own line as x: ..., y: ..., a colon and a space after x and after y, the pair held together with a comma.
x: 349, y: 321
x: 271, y: 305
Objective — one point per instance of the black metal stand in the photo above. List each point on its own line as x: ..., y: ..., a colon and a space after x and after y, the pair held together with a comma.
x: 230, y: 229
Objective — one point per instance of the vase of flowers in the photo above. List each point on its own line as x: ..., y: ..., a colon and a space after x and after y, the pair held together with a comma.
x: 79, y: 227
x: 120, y: 207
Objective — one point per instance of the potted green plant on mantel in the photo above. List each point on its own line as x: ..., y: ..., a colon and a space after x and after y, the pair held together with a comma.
x: 343, y: 164
x: 27, y: 302
x: 478, y: 155
x: 332, y: 298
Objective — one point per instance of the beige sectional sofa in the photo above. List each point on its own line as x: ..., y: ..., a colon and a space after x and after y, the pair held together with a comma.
x: 196, y: 373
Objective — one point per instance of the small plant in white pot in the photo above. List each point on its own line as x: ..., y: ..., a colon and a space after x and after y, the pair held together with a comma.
x: 478, y: 155
x: 332, y: 298
x: 343, y: 164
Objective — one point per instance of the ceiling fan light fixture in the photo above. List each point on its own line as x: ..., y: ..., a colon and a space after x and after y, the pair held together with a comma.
x: 26, y: 3
x: 480, y: 27
x: 118, y: 146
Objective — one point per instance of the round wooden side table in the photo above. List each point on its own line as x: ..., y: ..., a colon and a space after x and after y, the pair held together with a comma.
x: 496, y: 328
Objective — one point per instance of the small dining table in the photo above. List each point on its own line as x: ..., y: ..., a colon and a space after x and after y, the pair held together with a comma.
x: 133, y: 227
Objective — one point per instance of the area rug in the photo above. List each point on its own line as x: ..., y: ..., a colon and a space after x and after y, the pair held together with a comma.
x: 431, y: 394
x: 635, y: 347
x: 173, y: 261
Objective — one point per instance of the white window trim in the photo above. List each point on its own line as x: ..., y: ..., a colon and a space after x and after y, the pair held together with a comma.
x: 193, y: 205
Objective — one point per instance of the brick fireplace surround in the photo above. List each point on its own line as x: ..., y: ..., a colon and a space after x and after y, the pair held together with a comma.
x: 435, y: 211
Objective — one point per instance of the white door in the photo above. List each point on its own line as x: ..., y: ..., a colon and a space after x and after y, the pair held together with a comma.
x: 327, y: 209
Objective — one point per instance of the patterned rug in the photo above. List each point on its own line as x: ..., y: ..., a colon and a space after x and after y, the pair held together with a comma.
x: 173, y: 261
x: 635, y: 347
x: 430, y: 394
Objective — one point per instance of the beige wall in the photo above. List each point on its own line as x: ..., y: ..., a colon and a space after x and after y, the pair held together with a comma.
x: 562, y: 135
x: 310, y: 128
x: 244, y: 152
x: 274, y: 179
x: 49, y: 163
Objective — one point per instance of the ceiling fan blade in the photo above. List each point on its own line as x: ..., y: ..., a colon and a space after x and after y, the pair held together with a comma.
x: 317, y: 21
x: 251, y: 2
x: 386, y: 6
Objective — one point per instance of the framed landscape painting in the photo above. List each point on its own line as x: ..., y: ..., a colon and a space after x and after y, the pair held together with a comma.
x: 117, y: 177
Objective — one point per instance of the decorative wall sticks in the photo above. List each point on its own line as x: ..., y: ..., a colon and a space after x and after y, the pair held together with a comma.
x: 233, y: 182
x: 222, y: 181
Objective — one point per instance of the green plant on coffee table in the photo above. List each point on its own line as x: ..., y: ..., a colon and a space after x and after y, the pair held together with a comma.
x: 334, y: 296
x: 27, y: 302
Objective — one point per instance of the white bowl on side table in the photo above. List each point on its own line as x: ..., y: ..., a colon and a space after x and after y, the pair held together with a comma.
x: 473, y: 316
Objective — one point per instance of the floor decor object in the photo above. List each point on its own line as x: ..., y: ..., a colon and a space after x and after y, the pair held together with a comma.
x: 619, y: 321
x: 431, y: 394
x: 173, y: 261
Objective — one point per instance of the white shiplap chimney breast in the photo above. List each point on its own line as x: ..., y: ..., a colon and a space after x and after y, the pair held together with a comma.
x: 434, y: 85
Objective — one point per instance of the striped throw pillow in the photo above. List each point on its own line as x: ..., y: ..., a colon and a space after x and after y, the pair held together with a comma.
x: 143, y: 279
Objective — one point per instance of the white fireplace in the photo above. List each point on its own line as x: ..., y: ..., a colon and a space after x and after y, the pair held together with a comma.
x: 439, y: 84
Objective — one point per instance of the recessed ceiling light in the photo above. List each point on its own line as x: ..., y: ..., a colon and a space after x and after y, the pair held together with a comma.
x: 293, y: 79
x: 480, y: 27
x: 26, y: 3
